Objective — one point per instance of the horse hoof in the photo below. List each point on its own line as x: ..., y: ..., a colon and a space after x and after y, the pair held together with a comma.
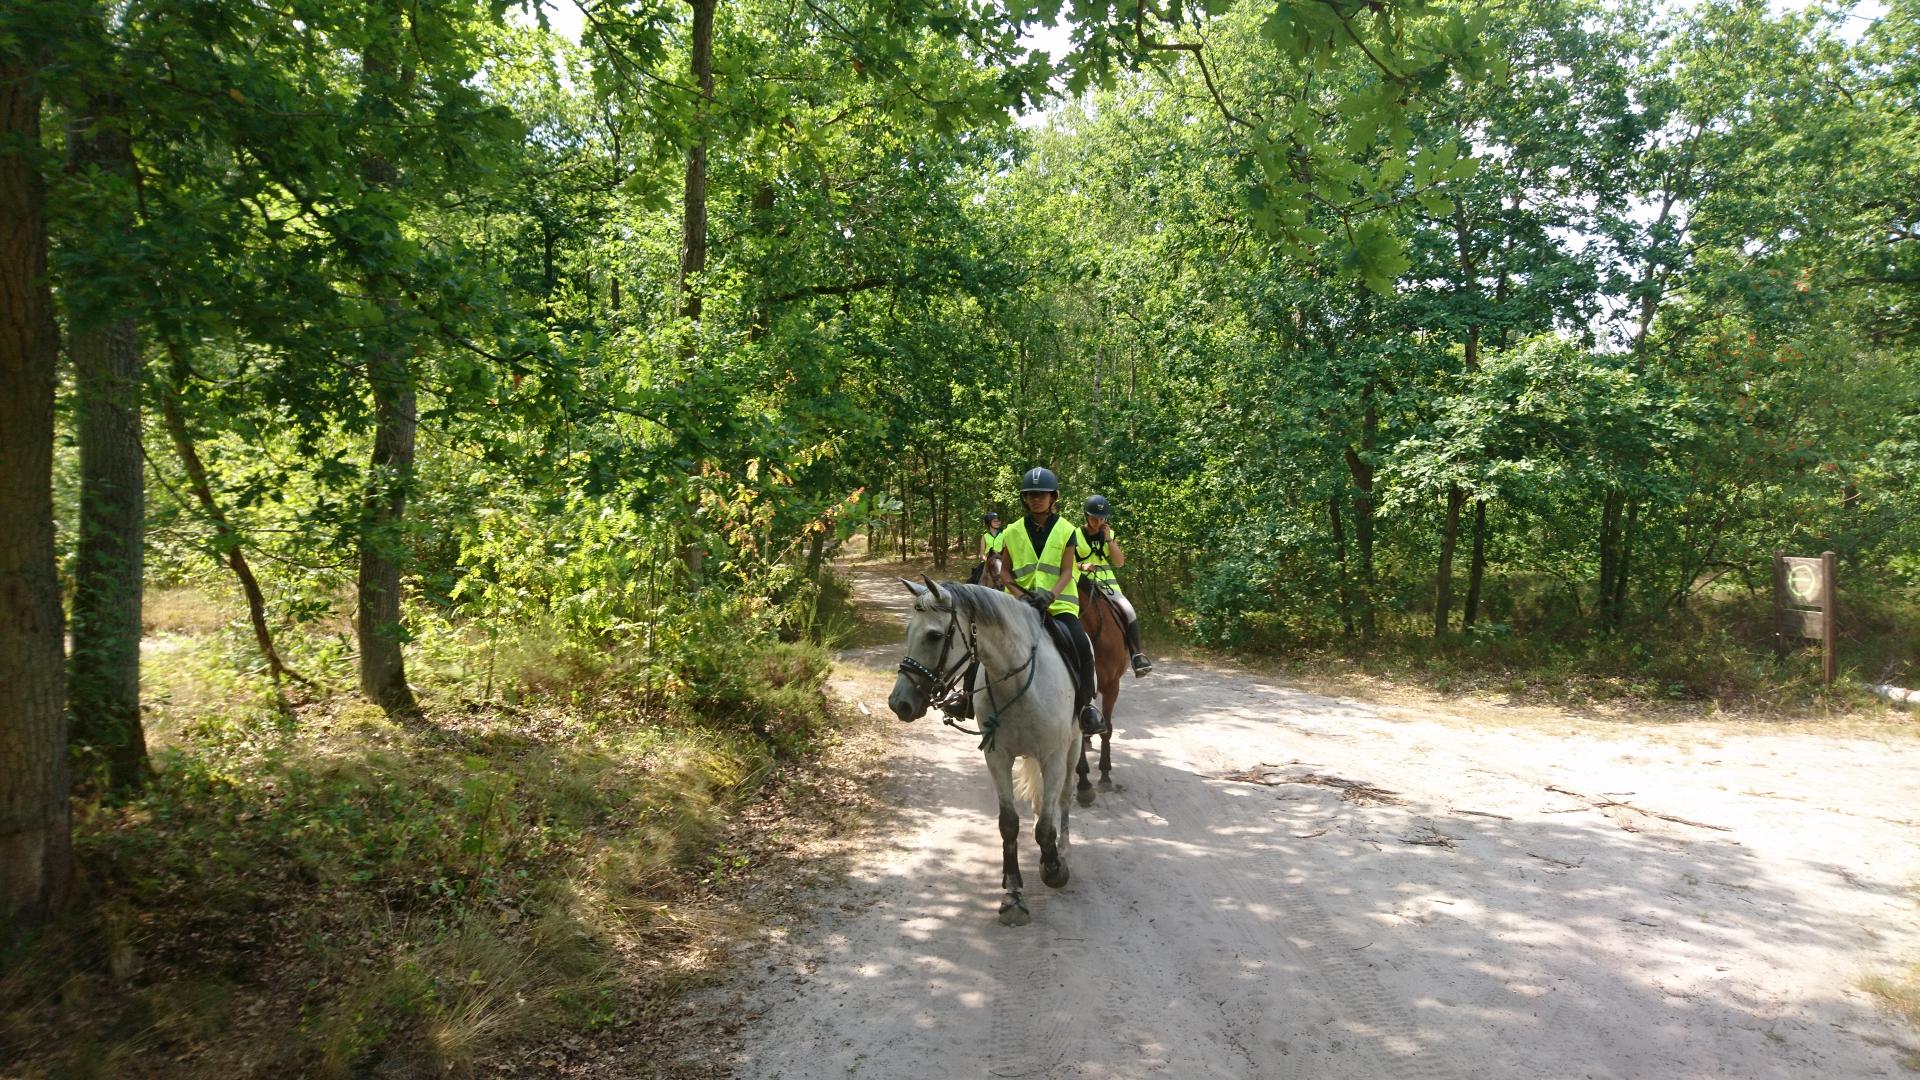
x: 1014, y: 913
x: 1055, y: 876
x: 1084, y: 795
x: 1106, y: 783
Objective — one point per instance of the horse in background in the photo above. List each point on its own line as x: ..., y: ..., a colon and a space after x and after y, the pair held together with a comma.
x: 1023, y: 702
x: 1111, y: 661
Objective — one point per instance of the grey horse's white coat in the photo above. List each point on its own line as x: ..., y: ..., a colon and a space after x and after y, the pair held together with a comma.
x: 1034, y: 725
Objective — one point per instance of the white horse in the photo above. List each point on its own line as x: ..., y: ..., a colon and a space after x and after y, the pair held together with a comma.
x: 1023, y: 701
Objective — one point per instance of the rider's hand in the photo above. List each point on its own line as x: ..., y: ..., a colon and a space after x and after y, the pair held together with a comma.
x: 1041, y: 599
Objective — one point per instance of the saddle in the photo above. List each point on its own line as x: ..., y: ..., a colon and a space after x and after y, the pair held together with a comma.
x: 1063, y: 641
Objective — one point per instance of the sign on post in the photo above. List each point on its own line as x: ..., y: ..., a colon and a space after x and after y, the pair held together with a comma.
x: 1803, y: 606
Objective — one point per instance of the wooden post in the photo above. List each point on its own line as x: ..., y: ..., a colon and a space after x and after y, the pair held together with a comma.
x: 1779, y: 604
x: 1828, y: 619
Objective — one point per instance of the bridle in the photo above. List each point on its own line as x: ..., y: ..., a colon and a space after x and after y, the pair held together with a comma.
x: 940, y: 682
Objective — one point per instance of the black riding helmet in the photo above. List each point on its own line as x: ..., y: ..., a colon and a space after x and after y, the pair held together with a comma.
x: 1039, y: 479
x: 1097, y: 506
x: 989, y: 518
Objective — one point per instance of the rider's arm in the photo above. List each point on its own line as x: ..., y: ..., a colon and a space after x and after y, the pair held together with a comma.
x: 1115, y: 556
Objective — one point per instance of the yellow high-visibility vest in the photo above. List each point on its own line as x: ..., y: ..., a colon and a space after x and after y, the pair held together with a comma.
x: 1050, y: 567
x: 1102, y: 572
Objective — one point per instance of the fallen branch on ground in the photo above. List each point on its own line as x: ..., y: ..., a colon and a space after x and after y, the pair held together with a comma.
x: 1430, y: 837
x: 1602, y: 804
x: 1350, y: 790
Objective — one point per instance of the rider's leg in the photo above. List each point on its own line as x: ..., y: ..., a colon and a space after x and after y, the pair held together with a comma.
x: 1141, y: 665
x: 1083, y: 706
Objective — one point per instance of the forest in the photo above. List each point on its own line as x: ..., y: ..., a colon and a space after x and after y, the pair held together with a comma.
x: 428, y: 430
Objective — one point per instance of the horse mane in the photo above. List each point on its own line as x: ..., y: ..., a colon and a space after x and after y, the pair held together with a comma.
x: 989, y: 607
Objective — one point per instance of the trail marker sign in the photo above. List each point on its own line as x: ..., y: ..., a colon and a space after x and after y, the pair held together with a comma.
x: 1803, y: 606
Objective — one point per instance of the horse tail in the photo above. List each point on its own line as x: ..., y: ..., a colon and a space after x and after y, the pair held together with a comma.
x: 1027, y: 781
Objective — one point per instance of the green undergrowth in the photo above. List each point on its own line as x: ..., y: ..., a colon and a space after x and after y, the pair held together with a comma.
x: 325, y: 892
x: 1718, y: 654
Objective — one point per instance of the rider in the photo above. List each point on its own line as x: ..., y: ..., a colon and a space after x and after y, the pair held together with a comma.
x: 1108, y: 557
x: 1044, y: 550
x: 989, y: 543
x: 989, y: 540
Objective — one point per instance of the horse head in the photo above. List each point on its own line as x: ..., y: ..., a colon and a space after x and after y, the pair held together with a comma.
x: 932, y: 631
x: 997, y: 571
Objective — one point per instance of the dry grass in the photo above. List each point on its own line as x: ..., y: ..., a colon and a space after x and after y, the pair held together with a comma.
x: 334, y: 894
x: 187, y: 609
x: 1900, y: 994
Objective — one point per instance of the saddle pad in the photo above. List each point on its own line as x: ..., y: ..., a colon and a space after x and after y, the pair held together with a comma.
x: 1063, y: 641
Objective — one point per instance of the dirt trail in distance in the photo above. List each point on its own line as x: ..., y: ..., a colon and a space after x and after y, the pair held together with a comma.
x: 1489, y: 902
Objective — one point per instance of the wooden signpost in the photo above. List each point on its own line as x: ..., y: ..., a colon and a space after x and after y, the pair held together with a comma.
x: 1803, y: 606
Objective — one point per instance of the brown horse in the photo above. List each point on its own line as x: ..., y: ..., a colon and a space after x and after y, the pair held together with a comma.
x: 1101, y: 619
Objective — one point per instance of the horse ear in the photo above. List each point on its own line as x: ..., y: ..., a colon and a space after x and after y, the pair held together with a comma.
x: 914, y: 587
x: 933, y: 588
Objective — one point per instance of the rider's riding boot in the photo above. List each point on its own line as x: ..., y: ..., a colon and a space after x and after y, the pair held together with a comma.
x: 958, y: 703
x: 1141, y: 665
x: 1090, y: 721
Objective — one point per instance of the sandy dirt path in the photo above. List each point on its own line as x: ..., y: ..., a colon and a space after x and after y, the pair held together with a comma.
x: 1466, y: 920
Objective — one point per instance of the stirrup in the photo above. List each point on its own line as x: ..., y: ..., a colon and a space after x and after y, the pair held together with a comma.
x: 1141, y: 665
x: 1091, y: 722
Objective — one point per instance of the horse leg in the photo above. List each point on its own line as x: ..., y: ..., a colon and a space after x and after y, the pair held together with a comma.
x: 1084, y: 790
x: 1049, y: 819
x: 1063, y: 798
x: 1106, y: 737
x: 1013, y: 910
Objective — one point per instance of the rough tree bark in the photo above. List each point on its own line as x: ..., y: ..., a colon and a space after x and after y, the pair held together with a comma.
x: 378, y: 627
x: 35, y: 825
x: 103, y: 672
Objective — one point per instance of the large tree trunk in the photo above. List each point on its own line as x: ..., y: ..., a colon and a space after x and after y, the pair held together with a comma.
x: 378, y: 624
x: 378, y: 627
x: 226, y: 537
x: 103, y: 675
x: 35, y: 825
